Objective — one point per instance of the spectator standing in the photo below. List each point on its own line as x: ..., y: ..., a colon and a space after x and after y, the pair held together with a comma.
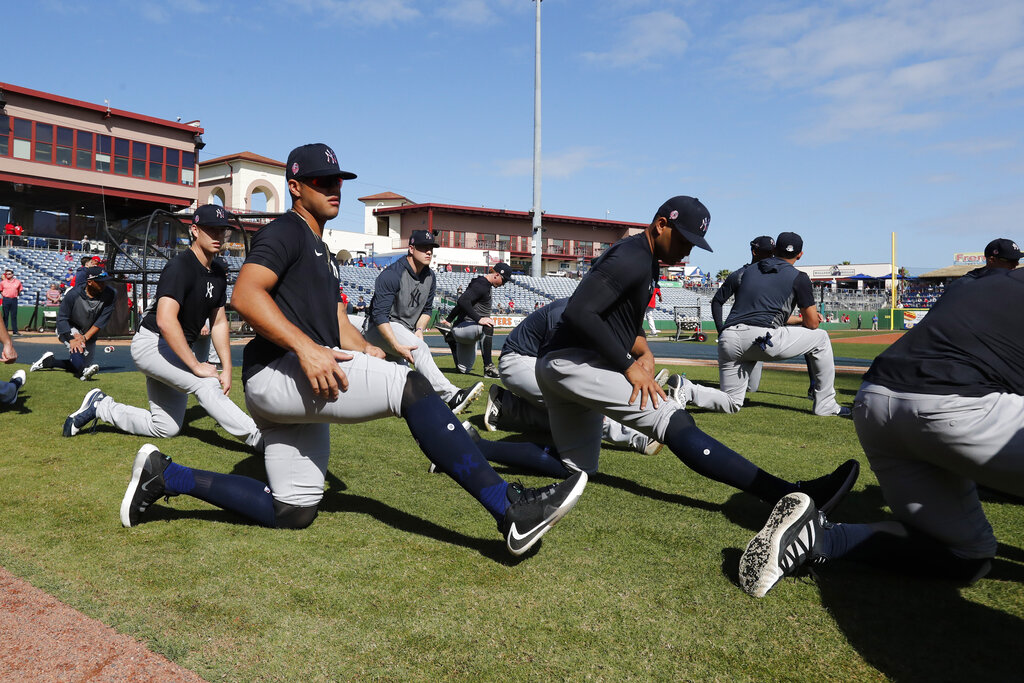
x: 10, y: 289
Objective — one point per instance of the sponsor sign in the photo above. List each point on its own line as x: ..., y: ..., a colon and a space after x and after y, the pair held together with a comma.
x: 913, y: 317
x: 969, y: 258
x: 507, y: 321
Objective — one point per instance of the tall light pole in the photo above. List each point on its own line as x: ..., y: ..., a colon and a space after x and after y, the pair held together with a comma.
x: 536, y: 268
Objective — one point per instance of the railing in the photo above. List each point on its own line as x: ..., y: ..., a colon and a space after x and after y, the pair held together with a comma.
x: 51, y: 243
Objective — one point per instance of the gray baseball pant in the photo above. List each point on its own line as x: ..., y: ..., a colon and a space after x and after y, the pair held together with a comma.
x: 296, y: 424
x: 424, y: 360
x: 467, y: 335
x: 738, y: 353
x: 168, y: 384
x: 580, y: 389
x: 525, y: 411
x: 929, y: 453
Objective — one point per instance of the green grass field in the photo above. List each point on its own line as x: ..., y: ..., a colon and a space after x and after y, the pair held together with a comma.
x: 404, y: 577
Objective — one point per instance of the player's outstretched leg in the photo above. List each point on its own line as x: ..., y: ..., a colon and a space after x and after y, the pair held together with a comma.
x: 9, y: 390
x: 714, y: 460
x: 154, y: 476
x: 44, y: 362
x: 523, y: 515
x: 85, y: 414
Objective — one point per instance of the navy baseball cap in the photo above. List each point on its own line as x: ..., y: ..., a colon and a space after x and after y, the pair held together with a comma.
x: 1004, y: 249
x: 689, y: 217
x: 788, y: 245
x: 422, y: 238
x: 313, y: 161
x: 504, y: 270
x: 762, y: 245
x: 98, y: 274
x: 212, y: 216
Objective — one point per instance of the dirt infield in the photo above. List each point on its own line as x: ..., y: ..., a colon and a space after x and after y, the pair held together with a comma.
x: 872, y: 339
x: 45, y: 640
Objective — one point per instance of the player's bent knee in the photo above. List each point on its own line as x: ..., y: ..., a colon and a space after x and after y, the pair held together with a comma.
x: 416, y: 387
x: 165, y: 429
x: 293, y: 516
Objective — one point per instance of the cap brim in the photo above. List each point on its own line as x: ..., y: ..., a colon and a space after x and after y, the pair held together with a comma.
x: 344, y: 175
x: 696, y: 239
x: 434, y: 245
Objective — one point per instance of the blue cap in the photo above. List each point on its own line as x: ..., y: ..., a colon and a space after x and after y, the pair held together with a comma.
x: 788, y: 245
x: 212, y: 216
x: 689, y: 217
x: 422, y: 238
x: 313, y: 161
x: 762, y: 245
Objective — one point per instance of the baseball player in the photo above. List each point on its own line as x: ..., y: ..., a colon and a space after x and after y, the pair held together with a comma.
x: 597, y: 363
x: 760, y: 248
x: 760, y: 327
x: 9, y: 390
x: 470, y: 321
x: 87, y: 306
x: 521, y: 407
x: 298, y: 381
x: 403, y: 300
x: 651, y: 307
x: 1000, y: 254
x: 939, y: 411
x: 192, y: 290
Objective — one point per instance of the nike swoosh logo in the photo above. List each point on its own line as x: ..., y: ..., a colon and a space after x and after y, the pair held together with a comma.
x: 515, y: 533
x: 145, y: 486
x: 317, y: 252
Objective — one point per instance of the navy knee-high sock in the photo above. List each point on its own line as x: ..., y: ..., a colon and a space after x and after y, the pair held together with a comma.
x: 442, y: 439
x: 529, y: 456
x: 243, y: 495
x: 708, y: 457
x: 485, y: 346
x: 894, y: 547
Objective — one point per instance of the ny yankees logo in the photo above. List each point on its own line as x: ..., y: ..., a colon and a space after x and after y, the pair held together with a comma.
x: 416, y: 297
x: 331, y: 159
x: 464, y: 467
x: 209, y: 290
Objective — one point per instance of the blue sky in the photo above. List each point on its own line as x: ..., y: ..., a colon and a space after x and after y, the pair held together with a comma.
x: 843, y: 121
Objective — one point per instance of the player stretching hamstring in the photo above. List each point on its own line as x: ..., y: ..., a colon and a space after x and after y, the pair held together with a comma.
x: 298, y: 381
x: 192, y: 290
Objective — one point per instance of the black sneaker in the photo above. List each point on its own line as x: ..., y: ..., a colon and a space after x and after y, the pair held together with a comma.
x: 146, y: 485
x: 790, y: 538
x: 444, y: 327
x: 85, y: 414
x: 531, y: 512
x: 491, y: 371
x: 459, y: 401
x: 493, y: 409
x: 828, y: 491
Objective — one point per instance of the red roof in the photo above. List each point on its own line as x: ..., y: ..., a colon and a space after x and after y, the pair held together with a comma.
x: 382, y: 195
x: 101, y: 108
x: 245, y: 156
x: 505, y: 213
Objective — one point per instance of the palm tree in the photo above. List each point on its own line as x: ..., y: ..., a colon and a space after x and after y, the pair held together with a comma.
x: 722, y: 274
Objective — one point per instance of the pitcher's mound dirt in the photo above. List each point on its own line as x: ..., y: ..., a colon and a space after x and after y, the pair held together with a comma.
x: 45, y: 640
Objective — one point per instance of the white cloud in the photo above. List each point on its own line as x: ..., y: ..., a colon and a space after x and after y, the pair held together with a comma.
x: 645, y: 40
x: 889, y: 65
x: 976, y: 146
x: 565, y: 165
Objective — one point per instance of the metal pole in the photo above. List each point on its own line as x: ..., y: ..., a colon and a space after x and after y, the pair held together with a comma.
x: 538, y: 235
x: 892, y: 296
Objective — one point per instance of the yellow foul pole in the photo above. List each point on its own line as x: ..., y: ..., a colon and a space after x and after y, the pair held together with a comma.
x: 892, y: 298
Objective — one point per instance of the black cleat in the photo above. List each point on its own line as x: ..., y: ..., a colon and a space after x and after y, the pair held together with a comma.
x: 146, y: 485
x: 828, y: 491
x: 444, y: 327
x: 531, y: 512
x: 491, y: 371
x: 790, y: 538
x: 459, y: 401
x: 493, y: 409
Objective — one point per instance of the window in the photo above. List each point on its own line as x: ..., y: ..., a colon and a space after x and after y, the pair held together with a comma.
x: 44, y: 143
x: 83, y: 150
x: 156, y: 162
x: 121, y: 149
x: 22, y: 139
x: 103, y: 153
x: 171, y: 165
x: 65, y: 143
x: 5, y: 134
x: 138, y: 160
x: 188, y: 168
